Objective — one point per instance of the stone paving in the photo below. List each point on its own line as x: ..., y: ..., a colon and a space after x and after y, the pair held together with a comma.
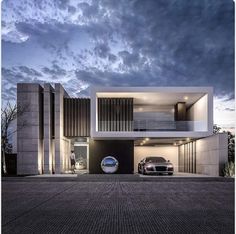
x: 117, y: 204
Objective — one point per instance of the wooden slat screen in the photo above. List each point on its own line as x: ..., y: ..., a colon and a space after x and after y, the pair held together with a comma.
x: 76, y: 117
x: 115, y: 114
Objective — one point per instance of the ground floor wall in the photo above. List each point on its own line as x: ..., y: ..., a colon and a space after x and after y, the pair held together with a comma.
x: 168, y: 152
x: 204, y: 156
x: 122, y: 150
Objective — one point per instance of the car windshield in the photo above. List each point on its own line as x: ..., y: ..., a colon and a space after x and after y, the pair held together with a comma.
x: 155, y: 159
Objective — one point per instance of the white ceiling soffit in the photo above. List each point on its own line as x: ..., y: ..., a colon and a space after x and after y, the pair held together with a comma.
x: 145, y: 98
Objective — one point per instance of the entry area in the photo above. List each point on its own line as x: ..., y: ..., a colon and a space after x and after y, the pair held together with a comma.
x: 81, y: 150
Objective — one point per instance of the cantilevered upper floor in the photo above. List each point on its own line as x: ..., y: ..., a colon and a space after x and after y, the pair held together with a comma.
x: 130, y: 112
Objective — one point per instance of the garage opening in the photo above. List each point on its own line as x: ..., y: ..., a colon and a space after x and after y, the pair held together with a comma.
x: 205, y: 156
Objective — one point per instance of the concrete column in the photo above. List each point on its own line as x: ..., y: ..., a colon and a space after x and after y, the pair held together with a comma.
x: 60, y: 93
x: 48, y: 151
x: 29, y: 129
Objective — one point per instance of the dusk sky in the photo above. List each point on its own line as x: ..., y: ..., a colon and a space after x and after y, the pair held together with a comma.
x: 121, y: 43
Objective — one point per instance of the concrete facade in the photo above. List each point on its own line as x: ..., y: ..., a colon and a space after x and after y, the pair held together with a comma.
x: 210, y: 154
x: 30, y: 129
x: 61, y: 143
x: 49, y: 156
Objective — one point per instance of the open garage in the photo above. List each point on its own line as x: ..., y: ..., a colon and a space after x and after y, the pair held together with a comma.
x: 205, y: 156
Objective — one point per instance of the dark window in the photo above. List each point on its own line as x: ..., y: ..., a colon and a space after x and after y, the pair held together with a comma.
x: 155, y: 159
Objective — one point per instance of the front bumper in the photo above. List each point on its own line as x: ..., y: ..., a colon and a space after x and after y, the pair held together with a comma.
x: 159, y: 170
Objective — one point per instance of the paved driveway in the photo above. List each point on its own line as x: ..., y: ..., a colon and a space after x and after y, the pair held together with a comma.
x: 117, y: 204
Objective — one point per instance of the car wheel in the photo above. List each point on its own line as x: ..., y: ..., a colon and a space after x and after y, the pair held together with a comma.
x: 144, y: 172
x: 170, y: 173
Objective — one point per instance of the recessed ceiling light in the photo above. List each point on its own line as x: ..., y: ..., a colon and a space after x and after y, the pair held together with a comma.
x: 185, y: 97
x: 188, y: 139
x: 147, y: 139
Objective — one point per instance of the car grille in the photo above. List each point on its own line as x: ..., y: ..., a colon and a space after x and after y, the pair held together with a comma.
x: 161, y: 168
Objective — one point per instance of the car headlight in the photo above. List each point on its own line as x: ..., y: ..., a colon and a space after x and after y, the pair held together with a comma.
x: 169, y: 166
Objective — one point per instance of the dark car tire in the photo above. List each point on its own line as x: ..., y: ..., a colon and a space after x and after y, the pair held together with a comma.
x: 170, y: 173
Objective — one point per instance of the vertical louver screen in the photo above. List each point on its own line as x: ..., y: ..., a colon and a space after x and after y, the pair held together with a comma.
x: 76, y: 117
x: 115, y: 114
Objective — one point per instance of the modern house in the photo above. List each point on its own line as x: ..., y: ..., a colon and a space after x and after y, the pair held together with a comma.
x: 127, y: 123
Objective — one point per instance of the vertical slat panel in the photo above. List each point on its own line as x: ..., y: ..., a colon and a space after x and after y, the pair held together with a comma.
x: 70, y: 133
x: 74, y: 117
x: 86, y: 134
x: 88, y: 121
x: 83, y: 117
x: 103, y: 114
x: 108, y: 115
x: 132, y: 113
x: 65, y: 119
x: 101, y: 103
x: 80, y: 117
x: 117, y: 115
x: 129, y: 114
x: 123, y: 115
x: 99, y: 114
x: 195, y: 156
x: 71, y: 117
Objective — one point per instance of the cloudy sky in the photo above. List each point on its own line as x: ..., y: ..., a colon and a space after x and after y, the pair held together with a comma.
x: 121, y: 43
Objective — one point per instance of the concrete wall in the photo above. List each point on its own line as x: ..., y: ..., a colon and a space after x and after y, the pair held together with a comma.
x: 48, y: 152
x: 198, y: 112
x: 210, y: 154
x: 38, y: 152
x: 61, y: 143
x: 168, y: 152
x: 29, y: 129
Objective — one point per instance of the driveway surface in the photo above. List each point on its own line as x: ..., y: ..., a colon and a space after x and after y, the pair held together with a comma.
x: 117, y: 204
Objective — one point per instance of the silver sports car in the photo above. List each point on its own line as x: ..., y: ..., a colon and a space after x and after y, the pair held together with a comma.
x: 155, y: 165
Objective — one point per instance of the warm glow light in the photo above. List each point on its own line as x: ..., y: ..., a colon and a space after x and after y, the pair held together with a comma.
x: 185, y: 97
x: 146, y: 139
x: 140, y: 108
x: 180, y: 142
x: 188, y: 139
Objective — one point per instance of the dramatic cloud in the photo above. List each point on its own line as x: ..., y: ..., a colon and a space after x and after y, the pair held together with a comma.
x: 119, y: 43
